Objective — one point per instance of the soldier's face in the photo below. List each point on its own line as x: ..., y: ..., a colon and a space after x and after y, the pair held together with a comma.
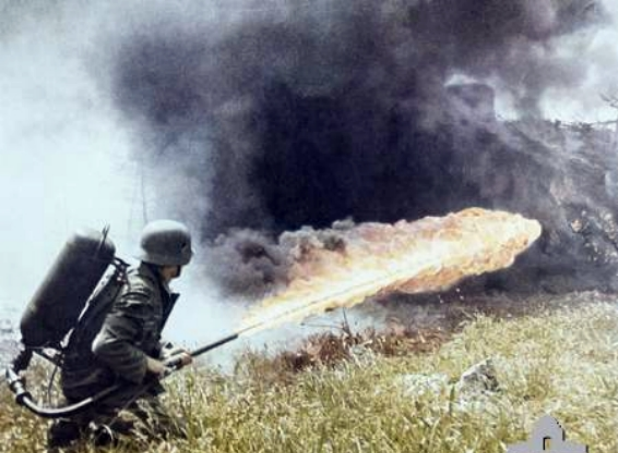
x: 170, y: 272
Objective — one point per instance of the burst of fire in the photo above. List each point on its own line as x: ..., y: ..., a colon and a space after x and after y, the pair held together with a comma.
x: 371, y: 259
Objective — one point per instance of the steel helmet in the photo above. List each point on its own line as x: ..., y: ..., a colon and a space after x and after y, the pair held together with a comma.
x: 166, y: 243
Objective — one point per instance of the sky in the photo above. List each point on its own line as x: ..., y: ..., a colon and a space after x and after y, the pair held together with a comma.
x: 65, y: 155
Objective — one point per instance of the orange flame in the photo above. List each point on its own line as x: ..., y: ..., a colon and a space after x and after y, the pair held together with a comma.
x: 431, y: 254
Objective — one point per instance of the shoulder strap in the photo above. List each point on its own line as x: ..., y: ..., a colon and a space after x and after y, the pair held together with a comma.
x: 78, y: 345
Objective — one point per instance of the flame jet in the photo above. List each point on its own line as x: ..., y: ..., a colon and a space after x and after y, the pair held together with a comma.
x: 374, y: 259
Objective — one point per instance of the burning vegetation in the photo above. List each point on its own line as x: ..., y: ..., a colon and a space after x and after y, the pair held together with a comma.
x: 332, y: 348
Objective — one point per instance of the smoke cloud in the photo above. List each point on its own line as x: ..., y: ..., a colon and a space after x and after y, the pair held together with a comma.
x: 272, y: 116
x: 293, y: 113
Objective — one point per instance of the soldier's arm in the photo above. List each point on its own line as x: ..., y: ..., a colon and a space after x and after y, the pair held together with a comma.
x: 123, y: 329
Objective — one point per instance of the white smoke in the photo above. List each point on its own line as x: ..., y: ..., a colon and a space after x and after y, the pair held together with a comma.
x: 596, y: 52
x: 574, y: 94
x: 65, y: 153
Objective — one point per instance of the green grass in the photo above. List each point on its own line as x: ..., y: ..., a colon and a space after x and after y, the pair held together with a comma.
x: 563, y: 362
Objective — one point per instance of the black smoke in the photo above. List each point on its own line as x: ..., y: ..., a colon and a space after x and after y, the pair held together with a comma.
x: 277, y: 115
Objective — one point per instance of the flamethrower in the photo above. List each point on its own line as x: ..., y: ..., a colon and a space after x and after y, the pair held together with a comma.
x: 428, y: 255
x: 24, y: 398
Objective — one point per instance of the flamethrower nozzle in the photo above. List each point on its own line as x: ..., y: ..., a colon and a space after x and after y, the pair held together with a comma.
x: 17, y: 386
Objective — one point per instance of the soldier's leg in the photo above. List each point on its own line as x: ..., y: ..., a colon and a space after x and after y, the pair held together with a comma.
x: 129, y: 412
x: 154, y: 420
x: 104, y: 423
x: 110, y: 423
x: 135, y: 413
x: 62, y: 432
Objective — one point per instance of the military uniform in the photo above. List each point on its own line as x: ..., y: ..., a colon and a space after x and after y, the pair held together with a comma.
x: 131, y: 331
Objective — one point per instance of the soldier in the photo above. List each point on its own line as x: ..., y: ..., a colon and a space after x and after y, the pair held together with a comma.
x: 128, y: 348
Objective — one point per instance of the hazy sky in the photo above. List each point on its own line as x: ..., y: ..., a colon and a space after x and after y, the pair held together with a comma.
x: 64, y: 153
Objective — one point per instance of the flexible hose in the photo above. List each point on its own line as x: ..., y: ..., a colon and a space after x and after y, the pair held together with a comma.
x: 24, y: 398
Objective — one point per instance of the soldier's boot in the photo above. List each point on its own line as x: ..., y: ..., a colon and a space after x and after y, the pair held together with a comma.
x: 103, y: 436
x: 62, y: 433
x: 110, y: 433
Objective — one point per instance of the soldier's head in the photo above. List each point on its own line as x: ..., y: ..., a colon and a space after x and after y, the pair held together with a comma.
x: 167, y: 245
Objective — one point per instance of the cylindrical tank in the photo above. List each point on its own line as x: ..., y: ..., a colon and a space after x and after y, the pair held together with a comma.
x: 61, y: 297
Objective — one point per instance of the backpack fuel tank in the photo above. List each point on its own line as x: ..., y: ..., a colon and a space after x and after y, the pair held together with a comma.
x: 56, y: 305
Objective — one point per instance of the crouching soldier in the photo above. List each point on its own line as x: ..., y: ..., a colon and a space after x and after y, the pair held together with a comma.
x: 128, y: 350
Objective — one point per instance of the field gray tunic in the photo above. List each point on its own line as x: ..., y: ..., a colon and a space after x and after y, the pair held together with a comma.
x: 130, y: 332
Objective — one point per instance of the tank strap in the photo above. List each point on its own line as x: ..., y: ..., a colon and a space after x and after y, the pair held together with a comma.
x: 96, y: 306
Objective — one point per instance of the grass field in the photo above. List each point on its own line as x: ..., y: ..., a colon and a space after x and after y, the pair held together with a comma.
x: 346, y: 393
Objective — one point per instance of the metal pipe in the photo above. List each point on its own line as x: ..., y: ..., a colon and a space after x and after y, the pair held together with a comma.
x: 214, y: 345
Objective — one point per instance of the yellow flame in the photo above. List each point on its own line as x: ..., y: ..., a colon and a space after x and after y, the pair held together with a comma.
x: 431, y: 254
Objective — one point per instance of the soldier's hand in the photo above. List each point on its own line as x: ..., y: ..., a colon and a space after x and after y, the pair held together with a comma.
x: 175, y: 356
x: 179, y: 360
x: 156, y: 367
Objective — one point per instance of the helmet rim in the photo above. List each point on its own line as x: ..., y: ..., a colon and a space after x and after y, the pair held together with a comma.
x: 165, y: 243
